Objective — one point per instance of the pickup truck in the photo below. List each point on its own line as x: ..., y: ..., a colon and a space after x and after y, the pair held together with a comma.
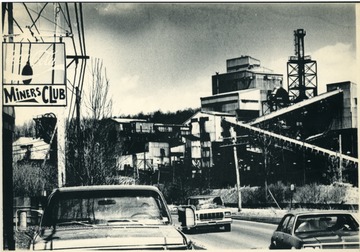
x: 108, y: 217
x: 204, y: 211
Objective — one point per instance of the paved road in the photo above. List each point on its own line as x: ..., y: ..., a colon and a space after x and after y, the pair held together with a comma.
x: 243, y: 235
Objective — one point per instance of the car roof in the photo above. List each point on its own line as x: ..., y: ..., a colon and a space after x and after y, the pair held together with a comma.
x: 106, y: 188
x: 317, y: 212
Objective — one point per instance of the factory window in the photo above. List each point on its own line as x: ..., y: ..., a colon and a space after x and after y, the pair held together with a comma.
x: 162, y: 152
x: 355, y: 100
x: 165, y: 129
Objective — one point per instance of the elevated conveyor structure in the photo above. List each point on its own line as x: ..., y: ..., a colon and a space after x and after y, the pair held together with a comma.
x: 296, y: 106
x: 292, y: 143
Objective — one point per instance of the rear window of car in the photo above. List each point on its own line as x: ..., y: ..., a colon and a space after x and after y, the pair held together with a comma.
x: 324, y: 223
x: 206, y: 202
x: 107, y: 207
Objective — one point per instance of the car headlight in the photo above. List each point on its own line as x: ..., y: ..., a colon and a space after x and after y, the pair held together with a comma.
x: 227, y: 214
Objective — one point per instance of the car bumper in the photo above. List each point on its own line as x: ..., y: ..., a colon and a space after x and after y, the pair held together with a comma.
x: 209, y: 224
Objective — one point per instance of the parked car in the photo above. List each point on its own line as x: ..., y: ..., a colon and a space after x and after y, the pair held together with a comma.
x: 325, y: 230
x: 204, y: 211
x: 108, y: 217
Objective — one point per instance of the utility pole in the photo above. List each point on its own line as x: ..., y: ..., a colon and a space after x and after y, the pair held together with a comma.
x: 340, y: 159
x: 8, y: 123
x: 237, y: 178
x: 79, y: 137
x: 233, y: 135
x: 60, y: 117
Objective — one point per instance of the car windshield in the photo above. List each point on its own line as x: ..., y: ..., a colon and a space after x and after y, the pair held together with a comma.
x: 206, y: 202
x: 106, y: 208
x: 326, y: 223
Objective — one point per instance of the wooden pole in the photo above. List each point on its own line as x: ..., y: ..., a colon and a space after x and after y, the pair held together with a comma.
x: 237, y: 178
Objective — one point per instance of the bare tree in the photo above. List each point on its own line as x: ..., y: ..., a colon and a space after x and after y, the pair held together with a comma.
x: 99, y: 147
x: 96, y: 148
x: 98, y: 102
x: 270, y: 155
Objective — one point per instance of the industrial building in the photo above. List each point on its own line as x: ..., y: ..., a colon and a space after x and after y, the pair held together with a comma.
x: 294, y: 135
x: 243, y: 89
x: 145, y: 146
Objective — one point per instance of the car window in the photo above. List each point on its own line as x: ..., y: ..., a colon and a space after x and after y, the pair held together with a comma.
x: 326, y: 223
x: 283, y: 224
x: 206, y: 203
x: 290, y: 225
x: 112, y: 209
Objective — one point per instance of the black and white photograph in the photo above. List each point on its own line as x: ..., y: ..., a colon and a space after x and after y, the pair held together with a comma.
x: 179, y: 125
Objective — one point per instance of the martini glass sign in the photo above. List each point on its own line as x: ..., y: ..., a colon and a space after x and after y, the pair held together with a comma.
x: 34, y: 74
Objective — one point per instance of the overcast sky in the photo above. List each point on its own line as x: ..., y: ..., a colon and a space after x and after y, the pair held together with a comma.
x: 162, y: 55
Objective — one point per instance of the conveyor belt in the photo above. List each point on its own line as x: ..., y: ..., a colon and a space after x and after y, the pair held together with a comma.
x: 292, y: 141
x: 295, y: 106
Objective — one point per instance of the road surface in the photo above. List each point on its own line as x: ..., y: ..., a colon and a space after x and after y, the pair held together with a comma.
x: 243, y: 235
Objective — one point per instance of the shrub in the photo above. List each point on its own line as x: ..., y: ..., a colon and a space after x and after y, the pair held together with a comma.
x: 308, y: 194
x: 315, y: 193
x: 312, y: 193
x: 278, y: 190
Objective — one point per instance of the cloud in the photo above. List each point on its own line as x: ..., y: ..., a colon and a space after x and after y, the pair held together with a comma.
x: 335, y: 63
x: 185, y: 95
x: 128, y: 83
x: 115, y: 9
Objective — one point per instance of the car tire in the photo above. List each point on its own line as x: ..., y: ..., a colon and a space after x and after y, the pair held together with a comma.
x: 272, y: 246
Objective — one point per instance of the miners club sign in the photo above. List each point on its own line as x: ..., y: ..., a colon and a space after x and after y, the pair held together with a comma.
x: 33, y: 95
x: 34, y: 74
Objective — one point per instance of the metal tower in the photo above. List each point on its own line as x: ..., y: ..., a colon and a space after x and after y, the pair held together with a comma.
x: 302, y: 72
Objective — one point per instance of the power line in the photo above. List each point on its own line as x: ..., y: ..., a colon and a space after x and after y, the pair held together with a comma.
x: 71, y: 31
x: 77, y: 21
x: 82, y: 28
x: 47, y: 19
x: 39, y: 14
x: 27, y: 10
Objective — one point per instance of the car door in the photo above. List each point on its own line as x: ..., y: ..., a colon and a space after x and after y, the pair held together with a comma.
x: 278, y: 236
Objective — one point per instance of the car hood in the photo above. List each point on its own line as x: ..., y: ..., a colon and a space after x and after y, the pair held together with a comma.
x: 346, y: 237
x: 126, y: 237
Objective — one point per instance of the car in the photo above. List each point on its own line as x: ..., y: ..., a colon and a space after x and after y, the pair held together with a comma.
x: 108, y: 217
x: 204, y: 211
x: 323, y: 229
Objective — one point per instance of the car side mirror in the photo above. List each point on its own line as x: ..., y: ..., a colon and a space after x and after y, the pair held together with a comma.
x: 186, y: 216
x: 190, y: 216
x: 23, y: 217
